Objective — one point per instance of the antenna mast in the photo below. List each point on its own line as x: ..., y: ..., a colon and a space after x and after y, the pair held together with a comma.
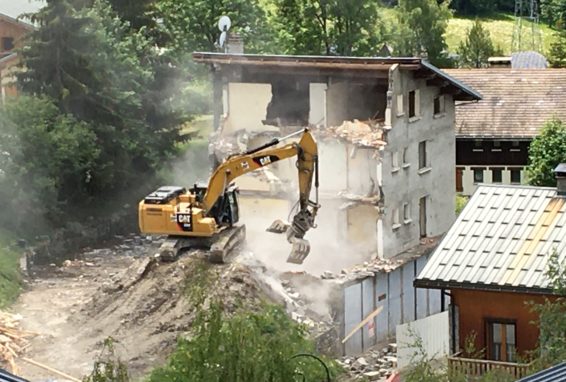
x: 526, y: 38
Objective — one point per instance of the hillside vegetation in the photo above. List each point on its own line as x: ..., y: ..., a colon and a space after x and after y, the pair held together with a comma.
x: 10, y: 278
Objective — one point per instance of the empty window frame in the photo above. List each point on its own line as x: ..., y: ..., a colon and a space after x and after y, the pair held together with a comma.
x: 496, y: 175
x: 422, y: 155
x: 406, y: 157
x: 478, y: 175
x: 515, y: 175
x: 414, y: 104
x: 439, y: 105
x: 7, y: 43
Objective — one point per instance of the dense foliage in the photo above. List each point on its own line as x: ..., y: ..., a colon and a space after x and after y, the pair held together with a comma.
x: 546, y: 152
x: 345, y: 28
x: 477, y: 47
x: 421, y: 28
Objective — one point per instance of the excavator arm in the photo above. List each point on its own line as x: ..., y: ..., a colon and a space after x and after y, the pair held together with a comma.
x: 306, y: 152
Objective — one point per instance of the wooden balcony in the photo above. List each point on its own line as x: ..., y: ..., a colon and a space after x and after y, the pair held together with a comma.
x: 477, y: 367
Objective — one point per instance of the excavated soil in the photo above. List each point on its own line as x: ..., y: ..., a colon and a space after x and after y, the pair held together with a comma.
x: 120, y: 293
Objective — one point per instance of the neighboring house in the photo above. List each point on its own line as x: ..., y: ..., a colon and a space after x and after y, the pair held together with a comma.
x: 385, y: 129
x: 493, y: 261
x: 12, y: 32
x: 493, y: 135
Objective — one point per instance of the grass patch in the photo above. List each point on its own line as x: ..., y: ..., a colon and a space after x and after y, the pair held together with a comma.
x: 499, y: 25
x: 10, y: 277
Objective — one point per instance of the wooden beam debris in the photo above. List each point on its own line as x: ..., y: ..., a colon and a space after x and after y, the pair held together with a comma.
x: 361, y: 324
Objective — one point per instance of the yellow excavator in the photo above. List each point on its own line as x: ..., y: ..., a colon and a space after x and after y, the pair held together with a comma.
x: 207, y: 216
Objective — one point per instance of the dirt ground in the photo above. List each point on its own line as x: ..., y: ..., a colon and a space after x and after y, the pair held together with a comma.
x: 120, y: 293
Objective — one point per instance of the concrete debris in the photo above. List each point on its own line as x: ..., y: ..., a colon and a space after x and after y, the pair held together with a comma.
x: 374, y: 365
x: 369, y: 199
x: 378, y: 265
x: 365, y: 134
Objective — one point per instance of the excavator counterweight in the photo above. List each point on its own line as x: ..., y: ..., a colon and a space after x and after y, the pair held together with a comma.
x: 207, y: 216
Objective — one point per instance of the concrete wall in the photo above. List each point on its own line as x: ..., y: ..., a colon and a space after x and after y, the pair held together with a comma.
x: 317, y: 113
x: 247, y: 106
x: 407, y: 183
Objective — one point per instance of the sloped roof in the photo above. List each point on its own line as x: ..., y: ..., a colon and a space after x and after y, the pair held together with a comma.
x: 320, y: 64
x: 555, y: 373
x: 501, y: 241
x: 515, y: 103
x: 4, y: 17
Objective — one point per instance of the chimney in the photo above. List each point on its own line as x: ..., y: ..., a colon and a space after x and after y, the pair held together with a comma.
x: 235, y: 43
x: 560, y: 173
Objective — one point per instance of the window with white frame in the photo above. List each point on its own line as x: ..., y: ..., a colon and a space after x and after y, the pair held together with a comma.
x: 439, y: 105
x: 395, y: 218
x: 394, y: 161
x: 414, y: 104
x: 400, y: 109
x: 406, y: 213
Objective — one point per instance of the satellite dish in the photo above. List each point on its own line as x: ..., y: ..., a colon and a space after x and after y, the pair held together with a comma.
x: 222, y: 39
x: 224, y: 23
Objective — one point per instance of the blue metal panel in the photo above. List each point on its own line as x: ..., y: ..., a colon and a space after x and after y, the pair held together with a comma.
x: 421, y: 293
x: 368, y: 307
x: 381, y: 299
x: 394, y: 293
x: 408, y: 274
x: 352, y: 317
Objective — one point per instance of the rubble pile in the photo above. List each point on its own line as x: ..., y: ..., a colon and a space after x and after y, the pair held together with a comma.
x: 375, y: 365
x: 379, y: 265
x: 13, y: 340
x: 367, y: 133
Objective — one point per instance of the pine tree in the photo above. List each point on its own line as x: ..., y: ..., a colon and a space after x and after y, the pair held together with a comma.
x: 477, y: 48
x: 557, y: 53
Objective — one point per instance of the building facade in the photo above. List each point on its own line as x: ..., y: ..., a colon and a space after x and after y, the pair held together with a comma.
x: 493, y: 135
x: 386, y: 138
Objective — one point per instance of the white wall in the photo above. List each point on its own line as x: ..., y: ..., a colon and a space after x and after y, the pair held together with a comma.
x: 435, y: 334
x: 247, y: 106
x: 317, y: 99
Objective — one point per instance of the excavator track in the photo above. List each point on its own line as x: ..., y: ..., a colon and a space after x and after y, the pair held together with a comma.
x: 221, y: 247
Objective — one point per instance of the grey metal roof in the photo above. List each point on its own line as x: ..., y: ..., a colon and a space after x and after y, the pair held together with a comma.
x: 501, y: 241
x: 555, y: 373
x: 560, y: 168
x: 528, y: 60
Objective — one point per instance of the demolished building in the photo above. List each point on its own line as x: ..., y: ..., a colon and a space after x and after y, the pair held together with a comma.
x: 385, y: 128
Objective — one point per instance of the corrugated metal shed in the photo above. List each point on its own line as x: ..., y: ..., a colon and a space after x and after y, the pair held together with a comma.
x: 501, y: 241
x: 555, y: 373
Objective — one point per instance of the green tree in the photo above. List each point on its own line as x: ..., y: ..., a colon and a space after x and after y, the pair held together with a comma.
x: 421, y: 28
x: 332, y: 27
x: 554, y: 12
x: 47, y: 165
x: 477, y: 48
x: 557, y: 53
x: 552, y: 313
x: 193, y: 24
x: 546, y: 151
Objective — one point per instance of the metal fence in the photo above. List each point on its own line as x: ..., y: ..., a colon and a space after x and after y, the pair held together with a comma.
x: 400, y: 302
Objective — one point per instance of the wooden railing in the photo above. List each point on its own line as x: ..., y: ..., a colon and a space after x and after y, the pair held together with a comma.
x: 478, y: 367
